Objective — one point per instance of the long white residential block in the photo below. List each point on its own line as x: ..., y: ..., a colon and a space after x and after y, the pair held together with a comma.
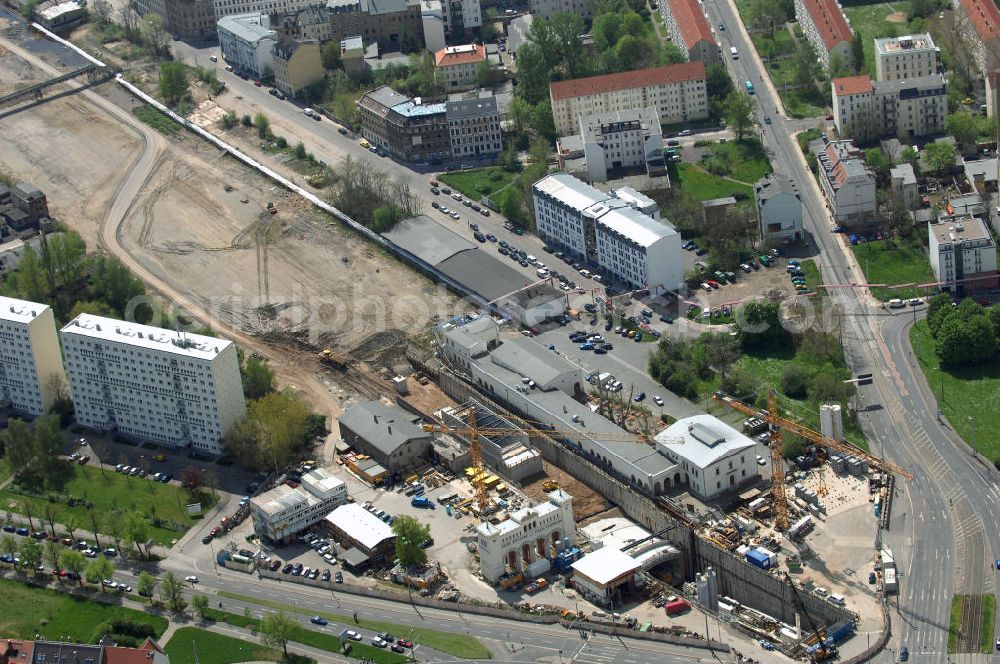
x: 29, y: 356
x: 149, y: 383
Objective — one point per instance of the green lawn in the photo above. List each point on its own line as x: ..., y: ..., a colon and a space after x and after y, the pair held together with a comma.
x: 989, y: 614
x: 4, y: 469
x: 969, y: 392
x: 705, y: 186
x: 214, y: 648
x: 55, y: 614
x: 954, y: 623
x: 894, y: 265
x: 460, y: 645
x: 869, y: 21
x: 479, y: 182
x: 813, y: 278
x: 157, y: 120
x: 109, y: 490
x: 745, y: 160
x: 805, y: 103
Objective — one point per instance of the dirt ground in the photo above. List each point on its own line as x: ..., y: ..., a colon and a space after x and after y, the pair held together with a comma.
x: 586, y: 501
x: 747, y: 286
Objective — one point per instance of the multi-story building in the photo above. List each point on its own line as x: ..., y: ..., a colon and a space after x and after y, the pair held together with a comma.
x: 30, y: 360
x: 677, y: 92
x: 246, y: 41
x: 148, y: 383
x: 474, y: 127
x: 225, y: 8
x: 905, y: 108
x: 714, y: 458
x: 979, y: 24
x: 528, y: 539
x: 185, y: 19
x: 904, y: 186
x: 461, y: 16
x: 604, y: 230
x: 386, y: 22
x: 457, y: 65
x: 688, y: 29
x: 283, y: 512
x: 414, y: 131
x: 825, y: 26
x: 19, y: 651
x: 962, y: 253
x: 900, y: 58
x: 432, y: 21
x: 779, y: 209
x: 847, y: 182
x: 297, y: 65
x: 620, y: 143
x: 30, y: 200
x: 548, y: 8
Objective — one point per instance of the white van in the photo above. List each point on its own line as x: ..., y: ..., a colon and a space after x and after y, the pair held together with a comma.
x: 734, y: 53
x: 821, y: 591
x: 896, y: 303
x: 836, y: 599
x: 542, y: 273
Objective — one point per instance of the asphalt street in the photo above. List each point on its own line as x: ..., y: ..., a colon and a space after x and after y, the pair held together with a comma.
x: 944, y: 519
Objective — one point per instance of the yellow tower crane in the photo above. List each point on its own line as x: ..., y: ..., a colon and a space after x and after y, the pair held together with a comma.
x: 473, y: 432
x: 778, y: 424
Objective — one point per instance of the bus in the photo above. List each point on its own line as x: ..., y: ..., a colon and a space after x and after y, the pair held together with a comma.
x: 749, y: 88
x: 735, y: 54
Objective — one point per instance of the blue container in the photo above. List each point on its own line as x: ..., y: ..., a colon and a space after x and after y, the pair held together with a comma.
x: 758, y: 559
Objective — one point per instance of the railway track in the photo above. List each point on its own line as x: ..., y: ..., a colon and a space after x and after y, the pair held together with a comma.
x: 970, y: 630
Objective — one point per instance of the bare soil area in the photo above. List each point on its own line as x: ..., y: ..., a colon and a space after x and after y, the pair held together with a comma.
x: 747, y: 286
x: 586, y: 501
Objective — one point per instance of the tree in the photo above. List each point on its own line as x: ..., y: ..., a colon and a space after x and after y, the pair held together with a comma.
x: 331, y: 55
x: 299, y: 151
x: 137, y: 530
x: 200, y: 604
x: 101, y: 11
x: 739, y: 113
x: 826, y: 386
x: 879, y: 162
x: 31, y: 553
x: 922, y: 8
x: 262, y: 124
x: 19, y: 443
x: 172, y: 590
x: 410, y: 533
x: 718, y: 84
x: 804, y: 63
x: 939, y: 308
x: 228, y: 121
x: 277, y: 630
x: 795, y: 381
x: 192, y: 479
x: 940, y: 157
x: 49, y: 514
x: 99, y: 570
x: 154, y: 31
x: 73, y: 561
x: 488, y: 74
x: 146, y: 585
x: 128, y: 18
x: 963, y: 126
x: 543, y: 123
x: 858, y: 51
x: 9, y: 546
x: 758, y: 324
x: 345, y: 109
x: 173, y: 82
x: 52, y: 550
x: 910, y: 156
x: 274, y: 430
x: 966, y: 341
x: 792, y: 446
x: 113, y: 284
x: 31, y: 281
x: 765, y: 16
x: 258, y: 379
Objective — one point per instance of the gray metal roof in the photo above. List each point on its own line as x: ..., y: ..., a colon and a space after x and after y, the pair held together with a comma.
x: 483, y: 274
x: 530, y: 358
x: 384, y: 427
x: 707, y: 439
x: 386, y: 96
x: 718, y: 202
x: 472, y: 108
x: 905, y: 172
x: 248, y: 27
x: 427, y: 240
x: 773, y: 184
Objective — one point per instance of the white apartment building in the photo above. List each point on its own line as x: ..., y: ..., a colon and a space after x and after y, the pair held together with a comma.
x: 622, y: 142
x: 607, y: 231
x: 825, y: 26
x: 900, y: 58
x: 962, y: 253
x: 689, y: 29
x: 905, y: 108
x: 677, y: 92
x: 283, y: 512
x: 528, y: 540
x: 847, y: 182
x: 474, y: 127
x: 548, y: 8
x: 714, y: 457
x: 457, y: 65
x: 246, y: 41
x: 29, y: 356
x: 154, y: 384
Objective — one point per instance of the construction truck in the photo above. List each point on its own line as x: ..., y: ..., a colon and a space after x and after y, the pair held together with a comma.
x: 334, y: 359
x: 550, y: 485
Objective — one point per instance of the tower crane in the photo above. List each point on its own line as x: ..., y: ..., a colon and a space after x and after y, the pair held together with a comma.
x: 476, y: 452
x: 777, y: 425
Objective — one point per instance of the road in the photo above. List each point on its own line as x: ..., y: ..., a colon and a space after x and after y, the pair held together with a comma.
x: 941, y: 505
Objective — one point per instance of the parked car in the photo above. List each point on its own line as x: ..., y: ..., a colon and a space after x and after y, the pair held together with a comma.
x: 352, y: 635
x: 318, y: 620
x: 191, y: 579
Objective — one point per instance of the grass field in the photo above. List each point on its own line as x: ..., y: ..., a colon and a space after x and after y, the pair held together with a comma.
x: 745, y: 159
x: 214, y: 648
x: 813, y: 277
x: 55, y: 614
x: 805, y: 103
x: 4, y: 469
x: 869, y: 21
x: 893, y: 265
x: 109, y: 490
x: 460, y: 645
x: 971, y: 393
x: 706, y: 186
x: 156, y: 120
x: 477, y: 183
x: 986, y: 644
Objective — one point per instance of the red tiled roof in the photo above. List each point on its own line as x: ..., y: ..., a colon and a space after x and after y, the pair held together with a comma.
x: 592, y: 85
x: 852, y: 85
x: 16, y: 651
x: 140, y: 655
x: 985, y: 17
x: 691, y: 22
x: 460, y: 55
x: 829, y: 21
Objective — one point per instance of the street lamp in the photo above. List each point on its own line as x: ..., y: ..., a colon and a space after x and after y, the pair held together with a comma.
x: 973, y: 420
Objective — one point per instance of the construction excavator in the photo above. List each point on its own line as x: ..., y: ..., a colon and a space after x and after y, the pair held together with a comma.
x: 824, y: 652
x: 778, y: 424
